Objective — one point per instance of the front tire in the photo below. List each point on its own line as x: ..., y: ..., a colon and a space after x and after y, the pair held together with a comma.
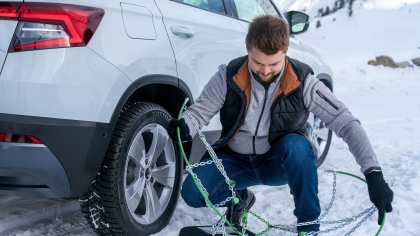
x: 140, y: 178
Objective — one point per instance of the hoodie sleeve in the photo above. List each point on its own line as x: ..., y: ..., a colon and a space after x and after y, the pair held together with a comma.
x: 324, y: 104
x: 209, y: 102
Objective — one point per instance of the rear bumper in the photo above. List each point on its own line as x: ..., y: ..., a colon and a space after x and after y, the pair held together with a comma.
x: 31, y: 169
x: 63, y: 167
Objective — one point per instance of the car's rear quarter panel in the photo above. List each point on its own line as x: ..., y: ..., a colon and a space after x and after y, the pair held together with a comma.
x: 7, y: 28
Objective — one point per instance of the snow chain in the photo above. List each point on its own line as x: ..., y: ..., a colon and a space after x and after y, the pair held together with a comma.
x: 219, y: 225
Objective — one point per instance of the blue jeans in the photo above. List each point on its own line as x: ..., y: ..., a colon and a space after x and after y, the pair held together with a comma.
x: 291, y: 161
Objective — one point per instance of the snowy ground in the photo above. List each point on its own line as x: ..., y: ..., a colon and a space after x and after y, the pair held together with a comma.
x: 387, y: 101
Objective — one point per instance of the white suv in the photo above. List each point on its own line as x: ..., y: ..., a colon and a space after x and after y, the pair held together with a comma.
x: 88, y: 86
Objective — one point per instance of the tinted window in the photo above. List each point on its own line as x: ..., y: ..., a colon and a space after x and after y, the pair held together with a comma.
x: 211, y: 5
x: 249, y: 9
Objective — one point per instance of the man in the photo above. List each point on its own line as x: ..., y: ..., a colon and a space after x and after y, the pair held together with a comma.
x: 264, y: 100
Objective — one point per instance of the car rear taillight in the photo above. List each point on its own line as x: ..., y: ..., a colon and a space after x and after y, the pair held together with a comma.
x: 19, y: 138
x: 9, y: 10
x: 52, y: 25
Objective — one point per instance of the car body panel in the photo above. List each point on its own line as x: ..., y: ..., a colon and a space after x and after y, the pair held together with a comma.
x: 34, y: 168
x: 79, y: 146
x: 135, y: 57
x: 132, y: 16
x: 7, y: 28
x: 217, y: 40
x: 2, y: 58
x: 57, y: 83
x: 314, y: 60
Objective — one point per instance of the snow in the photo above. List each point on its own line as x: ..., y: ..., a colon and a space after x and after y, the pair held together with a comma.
x: 386, y: 100
x: 38, y: 216
x: 311, y: 6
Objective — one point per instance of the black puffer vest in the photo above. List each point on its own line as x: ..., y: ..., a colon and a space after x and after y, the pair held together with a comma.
x: 288, y: 112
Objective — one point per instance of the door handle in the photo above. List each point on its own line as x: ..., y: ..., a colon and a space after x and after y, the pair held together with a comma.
x: 178, y: 30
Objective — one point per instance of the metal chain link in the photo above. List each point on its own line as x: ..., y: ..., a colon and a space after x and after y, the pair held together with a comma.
x: 262, y: 220
x: 343, y: 222
x: 347, y: 221
x: 213, y: 155
x: 333, y: 194
x: 363, y: 220
x: 219, y: 226
x: 198, y: 181
x: 199, y: 164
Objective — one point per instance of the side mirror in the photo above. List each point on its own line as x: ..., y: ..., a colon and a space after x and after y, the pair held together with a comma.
x: 298, y: 22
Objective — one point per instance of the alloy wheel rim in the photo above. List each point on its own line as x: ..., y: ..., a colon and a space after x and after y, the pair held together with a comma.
x: 318, y: 134
x: 149, y: 175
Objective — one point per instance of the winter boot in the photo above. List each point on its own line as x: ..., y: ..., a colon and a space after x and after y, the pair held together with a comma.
x: 234, y: 216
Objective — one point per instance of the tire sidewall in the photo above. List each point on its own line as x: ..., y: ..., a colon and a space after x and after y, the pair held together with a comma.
x: 162, y: 118
x: 321, y: 158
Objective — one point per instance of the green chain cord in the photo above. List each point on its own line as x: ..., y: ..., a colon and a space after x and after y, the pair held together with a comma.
x: 195, y: 181
x: 236, y: 200
x: 357, y: 177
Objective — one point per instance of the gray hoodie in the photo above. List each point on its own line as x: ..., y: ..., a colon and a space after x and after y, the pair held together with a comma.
x: 334, y: 114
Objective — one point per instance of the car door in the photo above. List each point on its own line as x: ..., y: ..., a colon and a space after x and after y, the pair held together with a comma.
x: 247, y: 10
x: 204, y: 35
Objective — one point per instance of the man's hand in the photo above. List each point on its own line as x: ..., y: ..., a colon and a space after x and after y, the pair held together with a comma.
x: 379, y: 192
x: 183, y: 128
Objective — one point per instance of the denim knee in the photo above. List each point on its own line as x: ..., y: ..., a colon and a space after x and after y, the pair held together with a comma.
x: 293, y: 144
x: 191, y: 194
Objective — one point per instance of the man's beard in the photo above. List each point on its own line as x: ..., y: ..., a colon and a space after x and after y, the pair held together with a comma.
x: 269, y: 77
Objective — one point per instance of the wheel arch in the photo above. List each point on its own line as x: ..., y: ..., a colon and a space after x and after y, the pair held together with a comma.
x: 164, y: 90
x: 326, y: 79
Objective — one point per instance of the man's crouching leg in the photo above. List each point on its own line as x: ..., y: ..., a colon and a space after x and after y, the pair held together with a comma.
x: 298, y: 163
x: 213, y: 181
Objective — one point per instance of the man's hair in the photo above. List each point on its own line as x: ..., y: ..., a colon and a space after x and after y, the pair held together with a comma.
x: 269, y: 34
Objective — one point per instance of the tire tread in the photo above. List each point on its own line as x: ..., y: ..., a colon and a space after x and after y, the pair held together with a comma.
x: 101, y: 199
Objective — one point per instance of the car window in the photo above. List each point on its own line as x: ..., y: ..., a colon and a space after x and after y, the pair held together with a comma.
x: 211, y: 5
x: 249, y: 9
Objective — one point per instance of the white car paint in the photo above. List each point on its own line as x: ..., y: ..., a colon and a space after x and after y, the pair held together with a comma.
x: 138, y: 22
x: 134, y: 57
x: 73, y: 83
x: 216, y: 39
x: 86, y: 83
x: 7, y: 29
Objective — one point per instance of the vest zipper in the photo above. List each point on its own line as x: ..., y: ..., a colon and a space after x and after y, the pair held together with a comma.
x: 326, y: 99
x: 259, y: 120
x: 277, y: 100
